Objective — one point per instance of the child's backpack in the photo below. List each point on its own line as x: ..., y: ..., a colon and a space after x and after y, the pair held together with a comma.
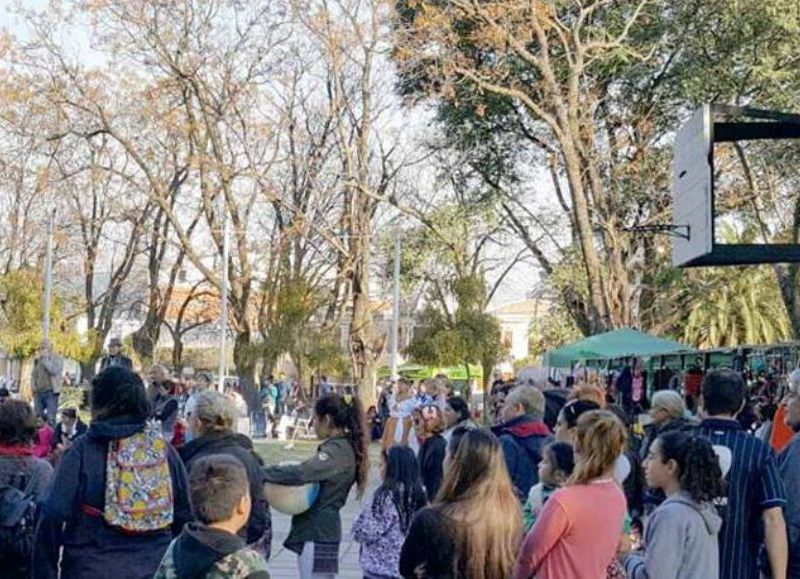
x: 17, y: 520
x: 138, y: 482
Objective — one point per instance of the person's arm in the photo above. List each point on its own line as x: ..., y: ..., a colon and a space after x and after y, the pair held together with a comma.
x: 664, y: 554
x: 551, y: 526
x: 413, y: 554
x: 773, y: 498
x: 436, y: 466
x: 53, y: 364
x: 511, y: 455
x: 259, y: 515
x: 318, y: 468
x: 182, y: 513
x: 60, y: 504
x: 776, y: 541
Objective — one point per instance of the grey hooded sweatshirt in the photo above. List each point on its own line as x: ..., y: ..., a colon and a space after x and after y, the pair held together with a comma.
x: 680, y: 542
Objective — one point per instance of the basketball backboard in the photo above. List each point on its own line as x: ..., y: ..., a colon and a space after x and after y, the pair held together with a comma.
x: 693, y: 186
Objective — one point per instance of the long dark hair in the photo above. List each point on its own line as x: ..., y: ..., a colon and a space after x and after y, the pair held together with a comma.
x: 349, y: 416
x: 402, y: 485
x: 699, y: 472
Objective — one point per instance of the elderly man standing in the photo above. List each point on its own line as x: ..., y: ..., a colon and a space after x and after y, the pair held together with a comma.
x: 115, y: 357
x: 523, y: 435
x: 46, y: 382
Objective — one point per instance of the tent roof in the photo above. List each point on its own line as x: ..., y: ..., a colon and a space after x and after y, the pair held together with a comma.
x: 622, y: 343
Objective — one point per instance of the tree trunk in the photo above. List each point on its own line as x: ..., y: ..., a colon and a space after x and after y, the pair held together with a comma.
x: 88, y: 369
x: 246, y: 370
x: 583, y: 221
x: 177, y: 354
x: 146, y: 337
x: 363, y: 353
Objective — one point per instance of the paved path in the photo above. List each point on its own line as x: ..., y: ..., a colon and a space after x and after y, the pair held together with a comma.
x: 283, y: 564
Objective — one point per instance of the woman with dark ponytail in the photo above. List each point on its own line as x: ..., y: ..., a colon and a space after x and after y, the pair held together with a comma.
x: 340, y: 461
x: 681, y: 534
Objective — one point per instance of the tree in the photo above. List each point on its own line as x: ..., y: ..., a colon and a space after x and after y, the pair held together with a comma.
x: 734, y: 307
x: 587, y: 96
x: 109, y: 219
x: 450, y: 254
x: 21, y: 333
x: 467, y: 336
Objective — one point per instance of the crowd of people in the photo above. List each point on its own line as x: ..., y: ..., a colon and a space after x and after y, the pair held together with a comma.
x: 564, y: 482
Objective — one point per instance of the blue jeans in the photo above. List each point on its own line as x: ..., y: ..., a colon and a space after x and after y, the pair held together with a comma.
x: 258, y: 424
x: 46, y: 402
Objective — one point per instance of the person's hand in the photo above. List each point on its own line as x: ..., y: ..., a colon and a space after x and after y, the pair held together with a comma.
x: 626, y: 544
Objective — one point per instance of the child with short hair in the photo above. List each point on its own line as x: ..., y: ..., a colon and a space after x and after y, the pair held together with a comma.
x: 210, y: 547
x: 555, y: 468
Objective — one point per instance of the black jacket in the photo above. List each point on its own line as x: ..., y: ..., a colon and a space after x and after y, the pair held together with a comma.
x: 91, y: 548
x: 431, y: 464
x: 120, y: 360
x: 239, y: 446
x: 429, y: 544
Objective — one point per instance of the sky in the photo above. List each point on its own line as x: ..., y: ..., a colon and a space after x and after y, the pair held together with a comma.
x: 517, y: 285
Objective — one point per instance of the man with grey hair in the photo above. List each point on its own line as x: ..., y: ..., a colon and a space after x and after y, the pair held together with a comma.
x: 523, y: 435
x: 668, y: 411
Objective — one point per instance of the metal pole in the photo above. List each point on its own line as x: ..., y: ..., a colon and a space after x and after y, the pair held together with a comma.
x: 48, y: 275
x: 395, y: 309
x: 223, y: 318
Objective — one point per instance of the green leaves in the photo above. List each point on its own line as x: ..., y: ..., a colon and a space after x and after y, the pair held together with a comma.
x: 21, y: 334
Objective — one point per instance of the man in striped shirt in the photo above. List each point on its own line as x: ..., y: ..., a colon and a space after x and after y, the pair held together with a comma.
x: 753, y: 484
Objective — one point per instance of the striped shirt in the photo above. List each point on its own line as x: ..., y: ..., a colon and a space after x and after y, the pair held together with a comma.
x: 752, y: 486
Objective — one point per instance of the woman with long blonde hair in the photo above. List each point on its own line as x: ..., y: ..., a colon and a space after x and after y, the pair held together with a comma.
x: 577, y: 533
x: 474, y: 527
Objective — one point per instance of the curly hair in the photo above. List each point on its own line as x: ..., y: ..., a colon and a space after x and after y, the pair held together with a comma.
x: 699, y: 473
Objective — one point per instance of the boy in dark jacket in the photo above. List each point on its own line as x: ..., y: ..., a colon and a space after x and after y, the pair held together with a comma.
x: 210, y: 548
x: 523, y: 435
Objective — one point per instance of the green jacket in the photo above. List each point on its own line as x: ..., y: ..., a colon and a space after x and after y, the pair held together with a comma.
x: 200, y: 552
x: 334, y: 468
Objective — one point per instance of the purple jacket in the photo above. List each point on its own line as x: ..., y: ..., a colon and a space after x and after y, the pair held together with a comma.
x: 378, y: 531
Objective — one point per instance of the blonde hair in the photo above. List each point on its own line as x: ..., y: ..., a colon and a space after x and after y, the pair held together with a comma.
x: 590, y: 392
x: 479, y: 500
x: 600, y: 439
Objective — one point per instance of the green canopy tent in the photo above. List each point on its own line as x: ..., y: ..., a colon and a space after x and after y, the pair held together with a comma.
x: 618, y: 344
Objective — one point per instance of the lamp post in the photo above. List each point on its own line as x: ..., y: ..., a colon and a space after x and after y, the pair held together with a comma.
x: 223, y: 309
x: 48, y: 274
x: 395, y: 309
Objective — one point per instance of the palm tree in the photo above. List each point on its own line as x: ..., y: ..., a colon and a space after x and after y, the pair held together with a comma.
x: 734, y: 306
